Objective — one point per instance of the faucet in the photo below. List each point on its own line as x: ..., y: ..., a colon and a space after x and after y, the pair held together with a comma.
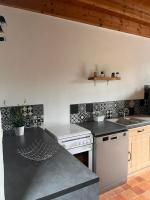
x: 125, y: 111
x: 124, y: 114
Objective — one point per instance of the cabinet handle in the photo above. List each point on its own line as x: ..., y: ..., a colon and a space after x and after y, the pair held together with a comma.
x: 139, y: 131
x: 130, y: 157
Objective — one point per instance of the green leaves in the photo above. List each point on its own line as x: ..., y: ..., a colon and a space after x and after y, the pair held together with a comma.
x: 17, y: 117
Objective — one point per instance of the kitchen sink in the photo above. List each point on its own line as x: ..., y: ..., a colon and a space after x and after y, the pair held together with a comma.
x: 127, y: 121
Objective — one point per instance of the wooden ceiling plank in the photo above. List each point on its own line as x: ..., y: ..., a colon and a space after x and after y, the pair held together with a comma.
x: 80, y: 11
x: 118, y: 9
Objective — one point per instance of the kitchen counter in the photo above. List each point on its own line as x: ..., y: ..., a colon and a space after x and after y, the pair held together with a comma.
x: 145, y: 118
x: 99, y: 129
x: 51, y: 179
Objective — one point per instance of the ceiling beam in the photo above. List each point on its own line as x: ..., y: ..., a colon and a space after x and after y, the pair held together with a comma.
x: 109, y: 14
x: 118, y: 8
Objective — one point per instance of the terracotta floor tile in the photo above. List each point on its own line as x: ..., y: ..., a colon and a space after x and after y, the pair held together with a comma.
x: 110, y: 194
x: 103, y: 195
x: 132, y: 182
x: 118, y: 190
x: 140, y: 198
x: 144, y: 186
x: 146, y: 194
x: 136, y: 188
x: 128, y: 194
x: 119, y: 197
x: 106, y: 196
x: 126, y: 186
x: 139, y: 179
x: 103, y: 198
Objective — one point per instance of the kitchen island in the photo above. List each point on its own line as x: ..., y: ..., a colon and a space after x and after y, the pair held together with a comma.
x: 61, y: 177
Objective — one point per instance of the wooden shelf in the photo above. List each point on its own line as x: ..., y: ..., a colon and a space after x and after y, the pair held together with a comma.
x: 104, y: 78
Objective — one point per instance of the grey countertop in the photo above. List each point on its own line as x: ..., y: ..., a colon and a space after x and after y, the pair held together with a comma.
x: 31, y: 180
x: 146, y: 119
x: 99, y: 129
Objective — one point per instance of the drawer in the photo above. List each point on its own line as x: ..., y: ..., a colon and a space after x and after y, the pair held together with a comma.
x: 139, y: 130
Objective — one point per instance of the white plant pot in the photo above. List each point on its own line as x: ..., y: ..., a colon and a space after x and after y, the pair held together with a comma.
x: 99, y: 118
x: 19, y: 131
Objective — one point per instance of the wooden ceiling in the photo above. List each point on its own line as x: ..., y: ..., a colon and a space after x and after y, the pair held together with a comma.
x: 130, y: 16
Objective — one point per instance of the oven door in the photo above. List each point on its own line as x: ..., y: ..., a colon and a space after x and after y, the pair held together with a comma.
x: 84, y: 154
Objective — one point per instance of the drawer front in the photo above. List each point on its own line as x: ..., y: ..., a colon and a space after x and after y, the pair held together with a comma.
x: 139, y: 130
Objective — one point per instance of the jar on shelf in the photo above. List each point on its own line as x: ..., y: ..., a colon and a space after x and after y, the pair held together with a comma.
x: 117, y: 75
x: 96, y: 72
x: 102, y: 74
x: 113, y: 75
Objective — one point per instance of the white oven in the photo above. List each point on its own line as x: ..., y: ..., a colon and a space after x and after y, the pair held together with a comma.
x: 77, y: 140
x: 77, y: 145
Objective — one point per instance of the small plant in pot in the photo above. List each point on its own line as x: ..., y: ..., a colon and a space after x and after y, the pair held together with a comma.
x: 18, y: 120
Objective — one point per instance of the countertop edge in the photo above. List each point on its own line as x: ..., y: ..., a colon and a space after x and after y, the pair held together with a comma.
x: 71, y: 189
x: 110, y: 133
x: 139, y: 125
x: 117, y: 129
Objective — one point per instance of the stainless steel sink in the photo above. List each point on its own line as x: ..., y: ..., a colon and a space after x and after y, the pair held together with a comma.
x: 127, y: 121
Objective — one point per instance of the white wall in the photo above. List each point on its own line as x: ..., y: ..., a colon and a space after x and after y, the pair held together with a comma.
x: 47, y: 60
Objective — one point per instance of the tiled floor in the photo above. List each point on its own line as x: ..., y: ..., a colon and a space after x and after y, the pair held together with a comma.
x: 137, y: 188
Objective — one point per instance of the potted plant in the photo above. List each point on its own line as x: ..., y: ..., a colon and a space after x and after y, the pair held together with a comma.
x: 18, y: 120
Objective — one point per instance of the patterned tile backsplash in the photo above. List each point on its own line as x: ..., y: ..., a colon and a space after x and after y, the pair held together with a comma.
x: 111, y: 109
x: 33, y: 115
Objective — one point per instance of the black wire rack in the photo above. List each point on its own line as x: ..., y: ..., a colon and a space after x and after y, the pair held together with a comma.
x: 39, y: 150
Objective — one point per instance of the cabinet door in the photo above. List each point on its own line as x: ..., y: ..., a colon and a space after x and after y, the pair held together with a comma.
x: 135, y: 153
x: 144, y: 153
x: 136, y: 161
x: 139, y: 147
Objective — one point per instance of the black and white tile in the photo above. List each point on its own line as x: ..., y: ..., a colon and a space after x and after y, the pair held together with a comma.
x: 74, y: 118
x: 111, y: 109
x: 33, y: 116
x: 82, y: 108
x: 38, y: 110
x: 74, y: 109
x: 109, y: 114
x: 96, y: 107
x: 103, y: 106
x: 89, y: 107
